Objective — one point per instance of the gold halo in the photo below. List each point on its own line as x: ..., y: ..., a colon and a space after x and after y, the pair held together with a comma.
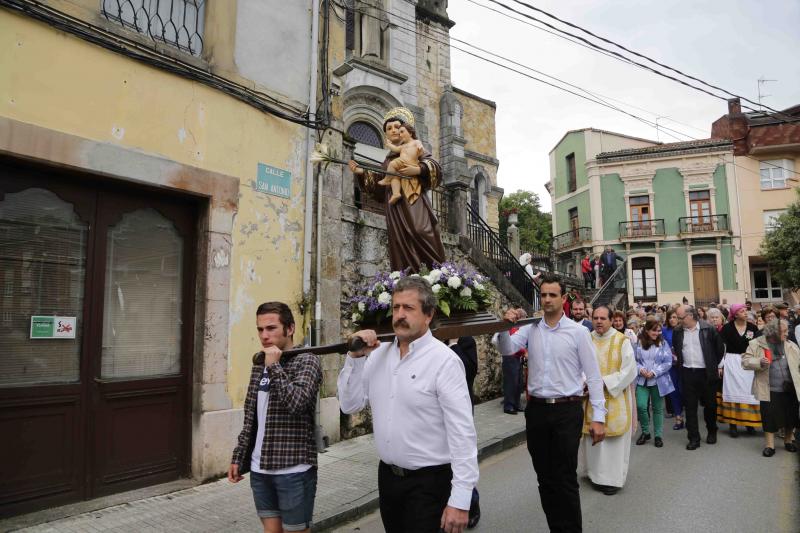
x: 401, y: 112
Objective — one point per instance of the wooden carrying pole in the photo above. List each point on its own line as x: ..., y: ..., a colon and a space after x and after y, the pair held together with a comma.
x: 448, y: 328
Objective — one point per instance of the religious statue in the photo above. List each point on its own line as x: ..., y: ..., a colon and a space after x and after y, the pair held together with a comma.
x: 411, y: 224
x: 373, y: 24
x: 408, y: 154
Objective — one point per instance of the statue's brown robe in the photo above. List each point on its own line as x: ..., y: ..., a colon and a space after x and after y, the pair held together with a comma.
x: 411, y: 224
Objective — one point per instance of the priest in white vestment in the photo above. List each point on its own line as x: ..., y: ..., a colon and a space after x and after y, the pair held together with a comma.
x: 606, y: 463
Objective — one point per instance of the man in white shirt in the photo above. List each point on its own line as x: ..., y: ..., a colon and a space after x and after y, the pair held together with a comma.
x: 421, y: 417
x: 560, y: 354
x: 699, y: 350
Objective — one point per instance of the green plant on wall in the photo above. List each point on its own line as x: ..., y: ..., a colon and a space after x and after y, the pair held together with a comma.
x: 535, y: 227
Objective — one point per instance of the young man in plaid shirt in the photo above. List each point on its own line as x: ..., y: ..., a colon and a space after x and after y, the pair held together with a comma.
x: 277, y: 442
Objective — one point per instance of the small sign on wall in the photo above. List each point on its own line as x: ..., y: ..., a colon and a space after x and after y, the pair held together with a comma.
x: 274, y: 181
x: 53, y: 327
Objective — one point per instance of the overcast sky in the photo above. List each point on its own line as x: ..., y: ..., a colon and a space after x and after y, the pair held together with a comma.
x: 729, y: 43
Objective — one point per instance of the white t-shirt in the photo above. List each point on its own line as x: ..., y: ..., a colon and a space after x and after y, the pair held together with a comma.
x: 261, y: 417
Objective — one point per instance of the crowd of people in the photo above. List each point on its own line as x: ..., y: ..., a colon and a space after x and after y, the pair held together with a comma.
x: 591, y: 387
x: 731, y: 334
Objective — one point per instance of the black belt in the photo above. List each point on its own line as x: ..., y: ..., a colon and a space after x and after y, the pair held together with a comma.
x: 694, y: 369
x: 405, y: 472
x: 562, y: 399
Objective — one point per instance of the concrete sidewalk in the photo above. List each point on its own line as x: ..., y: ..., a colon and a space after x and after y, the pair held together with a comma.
x: 347, y: 488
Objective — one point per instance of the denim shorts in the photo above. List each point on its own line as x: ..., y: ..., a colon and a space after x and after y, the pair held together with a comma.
x: 289, y: 497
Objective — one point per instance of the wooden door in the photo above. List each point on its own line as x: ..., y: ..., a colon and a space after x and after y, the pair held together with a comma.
x: 105, y: 407
x: 46, y: 260
x: 704, y: 276
x: 143, y: 316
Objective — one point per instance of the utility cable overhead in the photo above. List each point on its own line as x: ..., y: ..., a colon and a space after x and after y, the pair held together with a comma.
x: 595, y: 100
x: 636, y: 63
x: 593, y: 97
x: 617, y: 54
x: 637, y: 54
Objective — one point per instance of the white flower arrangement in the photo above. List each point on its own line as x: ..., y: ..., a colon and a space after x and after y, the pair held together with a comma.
x: 456, y: 288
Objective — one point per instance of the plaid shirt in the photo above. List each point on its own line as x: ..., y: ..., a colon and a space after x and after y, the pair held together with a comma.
x: 289, y: 433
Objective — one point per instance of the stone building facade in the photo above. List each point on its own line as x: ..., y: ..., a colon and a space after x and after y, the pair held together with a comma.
x: 458, y: 128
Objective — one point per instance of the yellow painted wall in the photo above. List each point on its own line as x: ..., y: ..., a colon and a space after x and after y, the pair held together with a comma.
x: 753, y: 202
x: 57, y: 81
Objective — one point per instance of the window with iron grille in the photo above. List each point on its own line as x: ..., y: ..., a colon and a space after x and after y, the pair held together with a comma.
x: 365, y: 133
x: 179, y: 23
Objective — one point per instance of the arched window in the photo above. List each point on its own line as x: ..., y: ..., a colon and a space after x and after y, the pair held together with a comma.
x: 365, y: 133
x: 476, y: 195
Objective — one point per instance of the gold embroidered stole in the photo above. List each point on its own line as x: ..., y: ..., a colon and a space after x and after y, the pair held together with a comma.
x: 618, y: 416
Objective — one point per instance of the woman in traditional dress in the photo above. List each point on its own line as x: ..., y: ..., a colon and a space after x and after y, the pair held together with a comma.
x: 736, y: 405
x: 776, y: 362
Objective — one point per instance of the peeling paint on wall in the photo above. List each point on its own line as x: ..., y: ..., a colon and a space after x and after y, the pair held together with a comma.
x: 221, y: 259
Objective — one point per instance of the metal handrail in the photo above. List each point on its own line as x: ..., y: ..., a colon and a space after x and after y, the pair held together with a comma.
x: 609, y: 285
x: 489, y: 243
x: 631, y: 229
x: 572, y: 237
x: 703, y: 224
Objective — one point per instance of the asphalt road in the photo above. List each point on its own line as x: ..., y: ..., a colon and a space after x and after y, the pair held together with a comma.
x: 727, y: 487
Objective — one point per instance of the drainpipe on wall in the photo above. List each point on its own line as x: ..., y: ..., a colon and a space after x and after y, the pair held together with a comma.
x: 309, y: 200
x: 746, y: 270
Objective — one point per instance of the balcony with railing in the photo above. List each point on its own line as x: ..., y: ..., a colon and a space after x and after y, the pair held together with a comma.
x: 642, y: 230
x: 699, y: 227
x: 574, y: 238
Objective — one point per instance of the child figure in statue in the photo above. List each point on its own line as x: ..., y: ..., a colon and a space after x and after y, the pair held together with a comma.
x: 409, y: 152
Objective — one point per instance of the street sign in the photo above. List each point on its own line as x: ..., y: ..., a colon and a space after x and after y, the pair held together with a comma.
x: 53, y: 327
x: 274, y: 181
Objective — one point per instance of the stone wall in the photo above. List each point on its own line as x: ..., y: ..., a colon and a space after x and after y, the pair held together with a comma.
x: 363, y: 253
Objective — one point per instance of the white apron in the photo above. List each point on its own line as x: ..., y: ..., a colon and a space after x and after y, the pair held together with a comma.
x: 737, y: 382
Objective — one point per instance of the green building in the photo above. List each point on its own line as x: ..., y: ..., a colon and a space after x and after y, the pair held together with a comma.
x: 669, y: 210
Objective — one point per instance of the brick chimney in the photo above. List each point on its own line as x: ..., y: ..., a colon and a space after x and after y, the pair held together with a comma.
x: 734, y: 106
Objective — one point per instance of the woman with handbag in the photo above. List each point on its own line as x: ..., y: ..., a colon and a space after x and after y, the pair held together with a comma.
x: 776, y: 362
x: 653, y: 361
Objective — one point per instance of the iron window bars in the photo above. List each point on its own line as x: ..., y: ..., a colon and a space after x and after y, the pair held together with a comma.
x: 178, y: 23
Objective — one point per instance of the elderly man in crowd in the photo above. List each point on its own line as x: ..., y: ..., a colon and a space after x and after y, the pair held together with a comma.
x: 700, y: 350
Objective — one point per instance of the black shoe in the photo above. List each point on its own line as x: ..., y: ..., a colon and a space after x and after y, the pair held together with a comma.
x: 751, y: 430
x: 712, y: 438
x: 658, y: 442
x: 733, y: 432
x: 644, y: 437
x: 510, y: 411
x: 693, y: 445
x: 609, y: 490
x: 790, y: 447
x: 768, y: 452
x: 474, y: 516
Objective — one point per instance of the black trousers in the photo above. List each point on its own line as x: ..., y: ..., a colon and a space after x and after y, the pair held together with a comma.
x: 554, y: 433
x: 694, y: 387
x: 512, y: 381
x: 415, y: 503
